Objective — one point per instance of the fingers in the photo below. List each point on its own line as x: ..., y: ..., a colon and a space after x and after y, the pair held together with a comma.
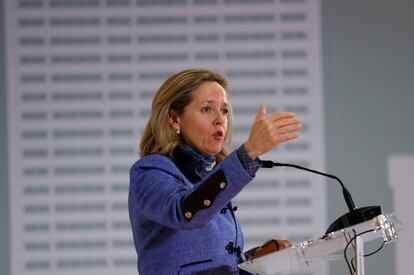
x: 284, y: 244
x: 261, y: 113
x: 279, y: 120
x: 280, y: 244
x: 268, y: 132
x: 287, y: 137
x: 283, y: 126
x: 281, y: 115
x: 289, y: 125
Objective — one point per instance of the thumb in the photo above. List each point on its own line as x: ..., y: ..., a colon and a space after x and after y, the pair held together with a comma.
x: 261, y: 113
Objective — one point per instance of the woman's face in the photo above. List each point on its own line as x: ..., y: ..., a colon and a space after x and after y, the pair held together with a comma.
x: 203, y: 123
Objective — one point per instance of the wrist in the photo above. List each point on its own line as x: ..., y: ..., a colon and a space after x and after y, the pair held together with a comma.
x: 250, y: 151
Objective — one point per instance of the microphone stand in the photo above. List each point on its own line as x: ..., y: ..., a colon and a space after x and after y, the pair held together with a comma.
x: 354, y: 216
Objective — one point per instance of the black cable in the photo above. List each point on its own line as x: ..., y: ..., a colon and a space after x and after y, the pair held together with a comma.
x: 367, y: 255
x: 372, y: 253
x: 352, y: 263
x: 346, y: 247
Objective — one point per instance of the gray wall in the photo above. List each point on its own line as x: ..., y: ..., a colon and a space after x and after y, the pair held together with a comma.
x: 368, y: 79
x: 369, y: 97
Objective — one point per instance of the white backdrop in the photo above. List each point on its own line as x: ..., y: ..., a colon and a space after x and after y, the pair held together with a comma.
x: 80, y: 78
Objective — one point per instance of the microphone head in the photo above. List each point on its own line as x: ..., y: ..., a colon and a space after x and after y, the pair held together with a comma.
x: 355, y: 216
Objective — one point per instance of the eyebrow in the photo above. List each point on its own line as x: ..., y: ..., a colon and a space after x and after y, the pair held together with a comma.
x: 212, y: 101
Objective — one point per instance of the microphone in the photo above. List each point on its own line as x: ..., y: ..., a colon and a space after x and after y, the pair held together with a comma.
x: 353, y: 217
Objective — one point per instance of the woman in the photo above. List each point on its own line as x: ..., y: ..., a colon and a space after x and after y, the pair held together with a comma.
x: 181, y: 188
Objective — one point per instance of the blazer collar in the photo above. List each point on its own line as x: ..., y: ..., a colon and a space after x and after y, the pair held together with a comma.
x: 191, y: 161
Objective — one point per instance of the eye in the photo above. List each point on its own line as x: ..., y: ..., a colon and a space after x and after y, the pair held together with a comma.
x: 225, y: 111
x: 205, y: 109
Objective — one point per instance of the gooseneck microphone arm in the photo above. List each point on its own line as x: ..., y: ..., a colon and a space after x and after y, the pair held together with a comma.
x: 354, y: 216
x: 348, y: 198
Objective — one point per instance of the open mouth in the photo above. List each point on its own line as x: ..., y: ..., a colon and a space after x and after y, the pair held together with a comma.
x: 218, y: 135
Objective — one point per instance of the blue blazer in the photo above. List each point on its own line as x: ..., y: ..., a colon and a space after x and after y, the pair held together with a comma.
x: 181, y: 226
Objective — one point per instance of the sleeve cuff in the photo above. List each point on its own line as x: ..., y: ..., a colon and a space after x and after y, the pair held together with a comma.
x: 250, y: 165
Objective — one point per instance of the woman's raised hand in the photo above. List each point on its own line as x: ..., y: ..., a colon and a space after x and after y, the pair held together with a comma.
x: 268, y: 132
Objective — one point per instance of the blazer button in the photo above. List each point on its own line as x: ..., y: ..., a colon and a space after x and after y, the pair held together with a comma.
x: 206, y: 203
x: 222, y: 185
x: 188, y: 215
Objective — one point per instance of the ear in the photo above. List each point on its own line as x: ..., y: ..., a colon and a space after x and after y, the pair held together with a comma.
x: 174, y: 119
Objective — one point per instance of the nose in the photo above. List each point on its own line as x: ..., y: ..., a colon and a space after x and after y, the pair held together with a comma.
x: 219, y: 119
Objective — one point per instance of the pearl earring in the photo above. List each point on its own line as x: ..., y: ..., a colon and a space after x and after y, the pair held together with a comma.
x: 178, y: 131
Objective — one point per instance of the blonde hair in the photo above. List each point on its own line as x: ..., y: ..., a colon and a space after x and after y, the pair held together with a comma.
x: 175, y: 94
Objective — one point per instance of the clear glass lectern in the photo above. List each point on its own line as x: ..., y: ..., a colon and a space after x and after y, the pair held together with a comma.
x: 328, y: 247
